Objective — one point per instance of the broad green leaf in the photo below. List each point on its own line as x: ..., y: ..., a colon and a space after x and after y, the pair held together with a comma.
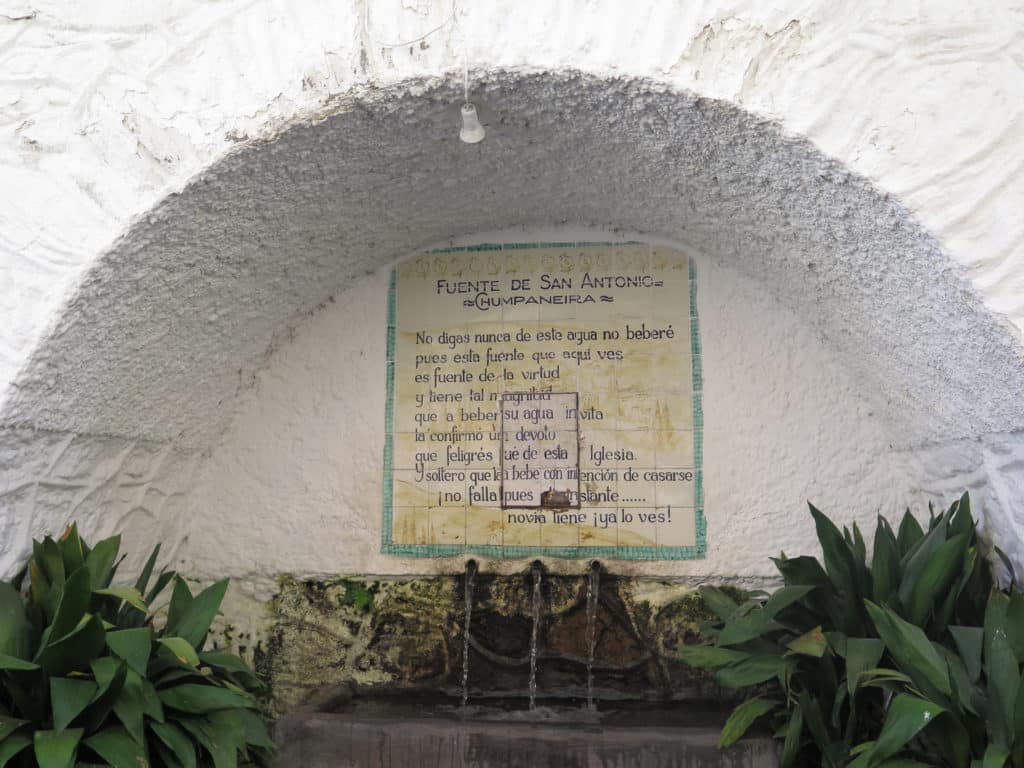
x: 42, y: 592
x: 152, y: 707
x: 147, y: 570
x: 935, y: 578
x: 1015, y: 624
x: 906, y: 717
x: 75, y: 650
x: 783, y: 598
x: 12, y: 746
x: 229, y: 734
x: 816, y: 725
x: 48, y: 555
x: 118, y: 748
x: 71, y: 549
x: 132, y: 645
x: 743, y: 628
x: 56, y: 749
x: 220, y: 746
x: 9, y: 725
x: 752, y: 670
x: 912, y: 651
x: 718, y: 602
x: 840, y: 698
x: 837, y: 642
x: 968, y: 642
x: 915, y: 561
x: 129, y: 594
x: 885, y: 564
x: 995, y: 757
x: 861, y: 748
x: 163, y: 679
x: 1003, y: 684
x: 15, y: 628
x: 879, y: 676
x: 130, y: 707
x: 110, y: 675
x: 811, y: 643
x: 100, y: 562
x: 236, y: 667
x: 807, y: 571
x: 167, y: 758
x: 839, y: 561
x: 196, y: 698
x: 801, y: 571
x: 862, y: 654
x: 742, y: 717
x: 909, y: 535
x: 1017, y: 752
x: 74, y: 601
x: 256, y: 732
x: 995, y: 616
x: 951, y: 740
x: 162, y: 581
x: 68, y: 698
x: 181, y: 599
x: 182, y: 649
x: 794, y: 731
x: 1007, y: 564
x: 960, y: 519
x: 12, y: 663
x: 859, y: 547
x: 961, y: 592
x: 177, y: 741
x: 964, y: 691
x: 196, y: 620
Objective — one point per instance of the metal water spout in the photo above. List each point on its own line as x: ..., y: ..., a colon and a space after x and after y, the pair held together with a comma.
x: 593, y: 595
x: 471, y: 569
x: 537, y: 572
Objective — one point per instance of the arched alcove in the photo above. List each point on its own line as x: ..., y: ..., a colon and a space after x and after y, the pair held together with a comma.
x: 153, y: 357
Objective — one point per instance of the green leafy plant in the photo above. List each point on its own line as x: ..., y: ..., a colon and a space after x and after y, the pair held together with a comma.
x: 845, y: 655
x: 87, y: 678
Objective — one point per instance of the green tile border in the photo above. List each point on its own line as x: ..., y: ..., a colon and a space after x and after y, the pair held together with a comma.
x: 389, y: 547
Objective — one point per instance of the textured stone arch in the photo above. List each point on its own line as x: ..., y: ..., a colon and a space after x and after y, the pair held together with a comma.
x: 177, y: 317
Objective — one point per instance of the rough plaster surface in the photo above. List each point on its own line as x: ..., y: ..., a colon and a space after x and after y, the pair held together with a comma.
x: 596, y: 116
x: 108, y: 485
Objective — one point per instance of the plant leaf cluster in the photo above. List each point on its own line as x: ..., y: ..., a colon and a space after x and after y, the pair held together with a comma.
x: 913, y: 658
x: 87, y: 678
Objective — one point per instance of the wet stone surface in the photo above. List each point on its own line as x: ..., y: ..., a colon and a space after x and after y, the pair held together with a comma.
x: 408, y: 635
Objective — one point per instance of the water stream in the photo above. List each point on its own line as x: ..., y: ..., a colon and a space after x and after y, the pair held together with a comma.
x: 537, y: 575
x: 593, y: 593
x: 470, y: 574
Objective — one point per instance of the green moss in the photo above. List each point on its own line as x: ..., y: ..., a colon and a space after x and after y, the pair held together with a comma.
x: 357, y: 594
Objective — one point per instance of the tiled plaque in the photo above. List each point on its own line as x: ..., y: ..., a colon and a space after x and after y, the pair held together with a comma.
x: 544, y: 399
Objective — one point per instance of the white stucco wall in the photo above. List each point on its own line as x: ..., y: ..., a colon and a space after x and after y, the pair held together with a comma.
x: 109, y: 108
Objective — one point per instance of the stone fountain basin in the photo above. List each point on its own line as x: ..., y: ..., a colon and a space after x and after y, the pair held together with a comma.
x: 416, y: 731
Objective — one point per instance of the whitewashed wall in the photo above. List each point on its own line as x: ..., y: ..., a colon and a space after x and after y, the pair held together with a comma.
x: 109, y: 108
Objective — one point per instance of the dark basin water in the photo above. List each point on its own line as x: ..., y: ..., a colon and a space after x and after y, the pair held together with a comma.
x: 410, y: 730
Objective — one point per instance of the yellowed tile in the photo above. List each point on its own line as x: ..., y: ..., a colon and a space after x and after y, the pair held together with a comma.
x: 628, y: 358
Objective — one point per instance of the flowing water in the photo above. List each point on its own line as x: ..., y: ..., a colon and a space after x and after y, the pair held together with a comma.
x: 593, y: 592
x: 470, y: 574
x: 533, y: 637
